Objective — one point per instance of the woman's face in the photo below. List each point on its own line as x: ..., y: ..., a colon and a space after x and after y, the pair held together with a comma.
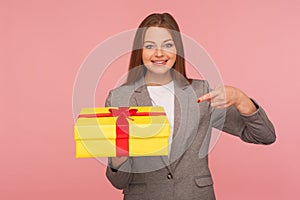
x: 159, y: 51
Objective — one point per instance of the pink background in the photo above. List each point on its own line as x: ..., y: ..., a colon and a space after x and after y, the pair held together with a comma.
x: 254, y: 43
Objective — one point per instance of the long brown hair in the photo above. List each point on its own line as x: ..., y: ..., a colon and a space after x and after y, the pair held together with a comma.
x: 164, y: 20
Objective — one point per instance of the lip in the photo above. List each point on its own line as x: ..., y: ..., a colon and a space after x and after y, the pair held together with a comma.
x: 159, y: 62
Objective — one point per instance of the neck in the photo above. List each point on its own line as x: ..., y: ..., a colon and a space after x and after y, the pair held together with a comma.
x: 156, y: 80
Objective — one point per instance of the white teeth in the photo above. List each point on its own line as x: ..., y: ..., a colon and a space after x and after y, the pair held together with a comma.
x: 160, y: 62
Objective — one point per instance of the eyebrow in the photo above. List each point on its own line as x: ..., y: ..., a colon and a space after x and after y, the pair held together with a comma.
x: 154, y: 42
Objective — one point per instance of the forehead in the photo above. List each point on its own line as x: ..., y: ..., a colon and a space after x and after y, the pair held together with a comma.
x: 157, y: 34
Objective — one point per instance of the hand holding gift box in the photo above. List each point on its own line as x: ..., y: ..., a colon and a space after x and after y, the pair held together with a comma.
x: 123, y: 131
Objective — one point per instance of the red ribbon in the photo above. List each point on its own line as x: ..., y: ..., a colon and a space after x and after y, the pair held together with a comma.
x: 122, y: 125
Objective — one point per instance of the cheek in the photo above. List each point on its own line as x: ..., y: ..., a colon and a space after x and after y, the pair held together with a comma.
x: 171, y: 54
x: 173, y: 57
x: 145, y: 57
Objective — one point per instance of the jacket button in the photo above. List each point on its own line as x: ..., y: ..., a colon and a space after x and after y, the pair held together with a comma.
x: 169, y: 176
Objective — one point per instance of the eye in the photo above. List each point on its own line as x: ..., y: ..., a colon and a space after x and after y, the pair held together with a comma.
x: 149, y: 46
x: 169, y: 45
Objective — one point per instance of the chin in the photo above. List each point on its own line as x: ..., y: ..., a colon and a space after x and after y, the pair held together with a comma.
x: 159, y: 69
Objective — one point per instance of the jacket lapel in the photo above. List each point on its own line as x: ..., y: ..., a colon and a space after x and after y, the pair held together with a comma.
x: 180, y: 120
x: 186, y: 116
x: 186, y: 121
x: 141, y: 97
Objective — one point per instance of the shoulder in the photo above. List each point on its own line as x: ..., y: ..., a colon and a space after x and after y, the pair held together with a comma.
x: 120, y: 96
x: 124, y: 91
x: 200, y: 86
x: 125, y: 88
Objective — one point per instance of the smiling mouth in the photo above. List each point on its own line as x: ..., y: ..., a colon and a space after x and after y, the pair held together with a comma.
x: 159, y: 62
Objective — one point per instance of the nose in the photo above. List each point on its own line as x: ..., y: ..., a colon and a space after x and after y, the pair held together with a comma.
x: 159, y: 52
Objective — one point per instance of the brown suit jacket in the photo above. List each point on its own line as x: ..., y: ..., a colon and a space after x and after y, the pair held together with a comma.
x: 185, y: 175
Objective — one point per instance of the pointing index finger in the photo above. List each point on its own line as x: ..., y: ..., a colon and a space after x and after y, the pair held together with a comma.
x: 204, y: 97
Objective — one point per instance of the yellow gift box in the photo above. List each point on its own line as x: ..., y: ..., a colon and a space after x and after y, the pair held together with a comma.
x: 122, y: 131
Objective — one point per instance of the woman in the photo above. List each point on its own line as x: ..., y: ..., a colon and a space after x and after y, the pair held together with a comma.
x: 157, y: 77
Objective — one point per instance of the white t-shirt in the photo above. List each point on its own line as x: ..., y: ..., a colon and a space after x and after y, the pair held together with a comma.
x: 164, y: 96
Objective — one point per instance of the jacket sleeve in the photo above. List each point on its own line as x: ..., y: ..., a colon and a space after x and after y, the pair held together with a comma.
x: 120, y: 177
x: 255, y: 128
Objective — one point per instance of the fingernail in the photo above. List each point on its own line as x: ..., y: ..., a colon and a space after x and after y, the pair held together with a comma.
x: 199, y: 101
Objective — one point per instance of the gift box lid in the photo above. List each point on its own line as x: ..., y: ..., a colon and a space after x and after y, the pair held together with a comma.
x: 99, y: 123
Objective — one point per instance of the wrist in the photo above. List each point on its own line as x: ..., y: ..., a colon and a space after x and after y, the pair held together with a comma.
x: 118, y: 161
x: 244, y: 104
